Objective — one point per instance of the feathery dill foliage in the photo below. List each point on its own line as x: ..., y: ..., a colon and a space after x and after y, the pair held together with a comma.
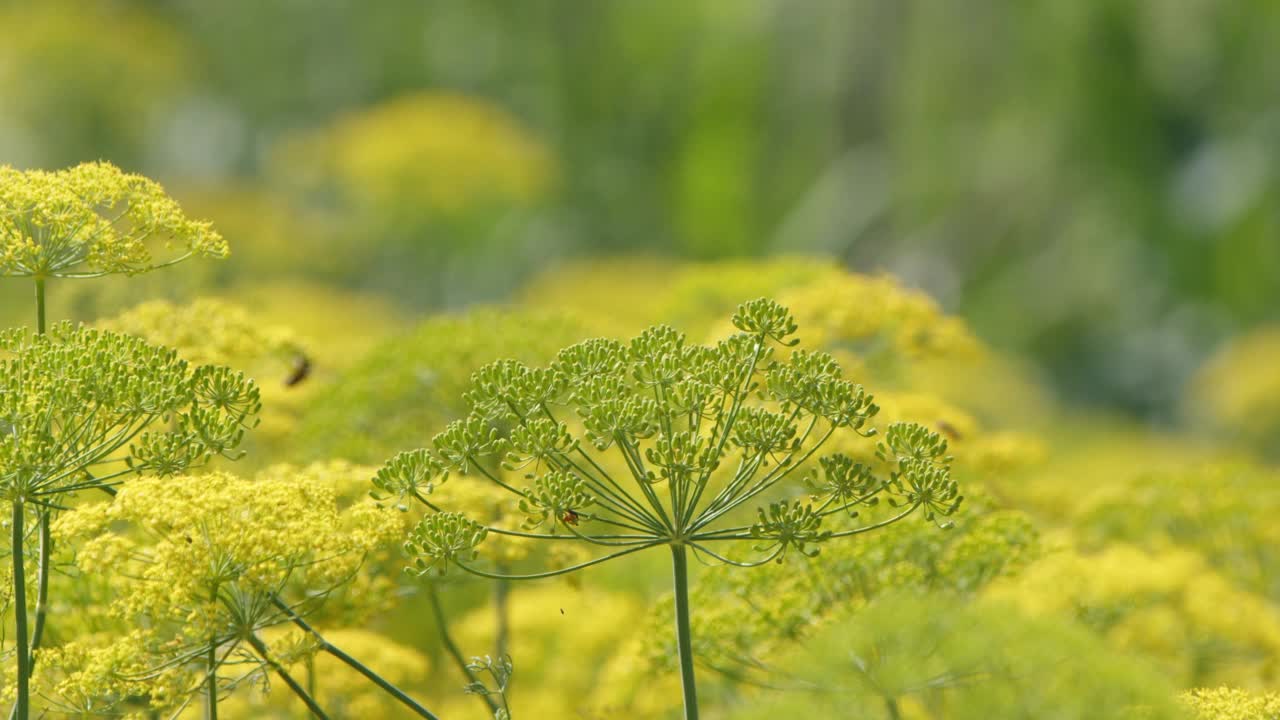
x: 93, y: 220
x: 663, y: 442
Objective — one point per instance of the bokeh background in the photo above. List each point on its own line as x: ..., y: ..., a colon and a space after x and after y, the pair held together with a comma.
x: 1088, y: 190
x: 1093, y: 184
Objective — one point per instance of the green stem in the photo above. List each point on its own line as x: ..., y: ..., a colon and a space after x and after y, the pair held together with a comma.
x: 307, y: 700
x: 21, y: 709
x: 438, y: 611
x: 46, y: 536
x: 42, y: 586
x: 501, y: 589
x: 40, y: 305
x: 211, y: 686
x: 352, y: 663
x: 684, y: 639
x: 311, y: 674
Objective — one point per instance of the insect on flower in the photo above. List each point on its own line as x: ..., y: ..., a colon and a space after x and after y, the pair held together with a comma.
x: 570, y: 517
x: 301, y: 370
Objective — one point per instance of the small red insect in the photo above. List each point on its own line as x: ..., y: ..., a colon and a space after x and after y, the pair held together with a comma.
x: 570, y: 517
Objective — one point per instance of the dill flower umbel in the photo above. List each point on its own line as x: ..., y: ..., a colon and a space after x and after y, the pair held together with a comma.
x: 697, y: 435
x: 206, y: 563
x: 93, y: 220
x: 206, y: 331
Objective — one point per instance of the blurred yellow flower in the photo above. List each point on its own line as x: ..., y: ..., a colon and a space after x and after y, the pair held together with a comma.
x: 1238, y: 391
x: 427, y: 151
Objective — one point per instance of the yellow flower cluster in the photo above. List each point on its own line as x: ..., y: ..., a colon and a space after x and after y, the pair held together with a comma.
x: 623, y: 296
x: 207, y: 331
x: 201, y: 551
x: 1238, y: 391
x: 1232, y: 704
x: 875, y: 316
x: 92, y: 220
x: 103, y: 674
x: 441, y: 152
x: 217, y: 332
x: 1169, y: 605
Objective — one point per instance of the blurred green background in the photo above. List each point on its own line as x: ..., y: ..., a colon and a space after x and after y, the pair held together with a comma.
x: 1091, y: 183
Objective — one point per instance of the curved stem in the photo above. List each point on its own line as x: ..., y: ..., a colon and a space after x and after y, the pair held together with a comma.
x: 297, y: 689
x: 22, y: 707
x: 452, y: 648
x: 544, y: 536
x: 561, y: 571
x: 697, y: 548
x: 684, y: 638
x: 351, y: 662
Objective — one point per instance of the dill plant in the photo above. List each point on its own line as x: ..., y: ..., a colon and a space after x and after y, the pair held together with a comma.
x: 661, y: 442
x: 85, y: 409
x: 75, y: 401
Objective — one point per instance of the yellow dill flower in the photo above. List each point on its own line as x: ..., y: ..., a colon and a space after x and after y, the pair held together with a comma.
x: 210, y: 531
x: 876, y: 315
x: 424, y: 152
x: 1223, y: 509
x: 204, y: 561
x: 871, y: 317
x: 1169, y: 605
x: 1232, y: 704
x: 105, y: 674
x: 213, y: 331
x: 622, y: 296
x: 206, y: 331
x: 1238, y: 391
x: 92, y: 220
